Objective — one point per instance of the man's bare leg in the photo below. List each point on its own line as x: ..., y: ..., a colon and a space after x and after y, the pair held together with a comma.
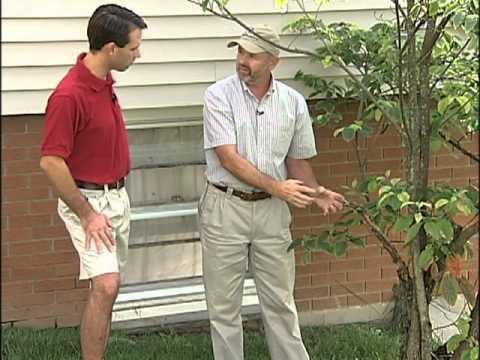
x: 97, y: 315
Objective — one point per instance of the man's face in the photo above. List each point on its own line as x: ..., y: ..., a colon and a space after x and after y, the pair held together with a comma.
x: 254, y: 68
x: 124, y: 57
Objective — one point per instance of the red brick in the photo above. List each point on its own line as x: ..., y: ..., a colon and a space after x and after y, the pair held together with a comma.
x: 71, y: 296
x: 355, y: 252
x: 437, y: 174
x: 387, y: 296
x: 378, y: 285
x: 69, y: 320
x: 383, y: 165
x: 37, y: 311
x: 50, y: 232
x: 346, y: 265
x: 33, y: 273
x: 344, y: 169
x: 311, y: 293
x: 363, y: 275
x: 31, y: 299
x: 22, y: 167
x: 347, y: 288
x: 26, y: 194
x: 29, y: 220
x: 329, y: 303
x: 371, y: 154
x: 304, y: 305
x: 12, y: 290
x: 15, y: 182
x: 14, y: 154
x: 16, y: 208
x: 33, y: 247
x: 389, y: 273
x: 394, y: 153
x: 35, y: 124
x: 319, y: 256
x: 378, y: 262
x: 82, y: 284
x: 385, y: 141
x: 364, y: 299
x: 67, y: 269
x: 303, y: 281
x: 451, y: 161
x: 54, y: 284
x: 328, y: 279
x: 63, y: 245
x: 310, y: 220
x: 35, y: 153
x: 56, y: 258
x: 312, y: 268
x: 464, y: 172
x: 331, y: 182
x: 23, y: 140
x: 20, y: 234
x: 329, y: 157
x: 10, y: 126
x: 17, y: 262
x: 42, y: 323
x: 39, y: 181
x: 44, y: 206
x: 340, y: 144
x: 298, y: 234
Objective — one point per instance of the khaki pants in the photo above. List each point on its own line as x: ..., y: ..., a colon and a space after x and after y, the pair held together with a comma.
x: 115, y: 205
x: 235, y: 233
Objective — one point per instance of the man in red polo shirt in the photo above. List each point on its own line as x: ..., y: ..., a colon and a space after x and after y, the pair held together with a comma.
x: 86, y: 156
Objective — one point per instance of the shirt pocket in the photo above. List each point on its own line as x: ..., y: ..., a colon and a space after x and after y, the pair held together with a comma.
x: 282, y: 133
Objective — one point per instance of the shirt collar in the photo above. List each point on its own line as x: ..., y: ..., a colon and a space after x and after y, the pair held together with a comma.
x: 90, y: 79
x: 269, y: 92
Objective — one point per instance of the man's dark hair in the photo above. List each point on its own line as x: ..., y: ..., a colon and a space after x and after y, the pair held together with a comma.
x: 112, y: 23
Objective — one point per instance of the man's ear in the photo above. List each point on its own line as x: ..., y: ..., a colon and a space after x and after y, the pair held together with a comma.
x: 109, y: 48
x: 274, y: 60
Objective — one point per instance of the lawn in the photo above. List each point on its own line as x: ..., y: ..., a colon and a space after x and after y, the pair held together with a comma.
x: 349, y: 342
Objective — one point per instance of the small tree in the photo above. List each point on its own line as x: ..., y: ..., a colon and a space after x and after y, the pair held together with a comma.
x: 419, y: 75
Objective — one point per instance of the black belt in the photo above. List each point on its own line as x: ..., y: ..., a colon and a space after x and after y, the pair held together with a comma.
x: 93, y: 186
x: 247, y: 196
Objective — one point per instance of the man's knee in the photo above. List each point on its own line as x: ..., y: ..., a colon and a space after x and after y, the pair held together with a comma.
x: 106, y: 286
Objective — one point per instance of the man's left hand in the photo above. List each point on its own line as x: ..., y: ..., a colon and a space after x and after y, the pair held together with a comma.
x: 328, y: 201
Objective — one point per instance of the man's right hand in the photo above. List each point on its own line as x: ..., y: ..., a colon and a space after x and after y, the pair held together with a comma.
x: 99, y: 228
x: 295, y: 192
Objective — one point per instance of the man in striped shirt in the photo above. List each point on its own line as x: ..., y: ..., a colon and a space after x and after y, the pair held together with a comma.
x: 258, y: 135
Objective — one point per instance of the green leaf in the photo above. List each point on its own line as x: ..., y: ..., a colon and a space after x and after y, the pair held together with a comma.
x: 378, y: 114
x: 453, y: 342
x: 403, y: 223
x: 360, y: 242
x: 440, y: 203
x: 458, y: 20
x: 403, y: 196
x: 450, y: 288
x: 354, y: 183
x: 372, y: 186
x: 340, y: 248
x: 464, y: 208
x: 281, y: 3
x: 384, y: 198
x: 426, y: 257
x: 471, y: 21
x: 348, y: 133
x: 413, y: 231
x: 463, y: 326
x: 443, y: 104
x: 418, y: 217
x: 433, y: 8
x: 433, y: 230
x: 446, y: 228
x: 338, y: 131
x: 436, y: 144
x: 384, y: 189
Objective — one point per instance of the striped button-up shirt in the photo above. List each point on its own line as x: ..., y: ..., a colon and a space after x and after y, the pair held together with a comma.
x: 265, y: 131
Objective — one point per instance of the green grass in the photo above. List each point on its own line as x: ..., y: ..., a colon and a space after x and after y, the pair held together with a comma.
x: 349, y: 342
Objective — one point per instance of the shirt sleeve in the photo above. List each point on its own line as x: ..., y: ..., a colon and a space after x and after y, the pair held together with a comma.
x: 303, y: 142
x: 218, y: 122
x: 61, y: 123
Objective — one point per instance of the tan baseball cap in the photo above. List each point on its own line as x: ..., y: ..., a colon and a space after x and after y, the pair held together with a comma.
x: 255, y: 45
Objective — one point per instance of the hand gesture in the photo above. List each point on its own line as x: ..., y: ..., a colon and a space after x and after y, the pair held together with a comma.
x: 99, y: 228
x: 295, y: 193
x: 328, y: 201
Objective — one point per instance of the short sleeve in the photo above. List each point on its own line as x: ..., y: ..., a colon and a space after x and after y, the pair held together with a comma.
x: 303, y: 142
x: 218, y: 122
x: 62, y: 120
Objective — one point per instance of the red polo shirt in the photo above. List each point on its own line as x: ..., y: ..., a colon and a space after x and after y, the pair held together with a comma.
x: 85, y: 126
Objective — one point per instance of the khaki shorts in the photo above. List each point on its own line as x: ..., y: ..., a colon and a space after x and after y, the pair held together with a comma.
x: 115, y: 204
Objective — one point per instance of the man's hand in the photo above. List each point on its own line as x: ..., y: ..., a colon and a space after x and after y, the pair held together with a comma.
x: 328, y: 201
x: 99, y: 228
x: 294, y: 192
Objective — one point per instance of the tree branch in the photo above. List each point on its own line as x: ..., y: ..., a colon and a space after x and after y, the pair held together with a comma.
x: 457, y: 145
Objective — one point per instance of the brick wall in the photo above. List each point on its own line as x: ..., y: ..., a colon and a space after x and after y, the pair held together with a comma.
x: 40, y: 286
